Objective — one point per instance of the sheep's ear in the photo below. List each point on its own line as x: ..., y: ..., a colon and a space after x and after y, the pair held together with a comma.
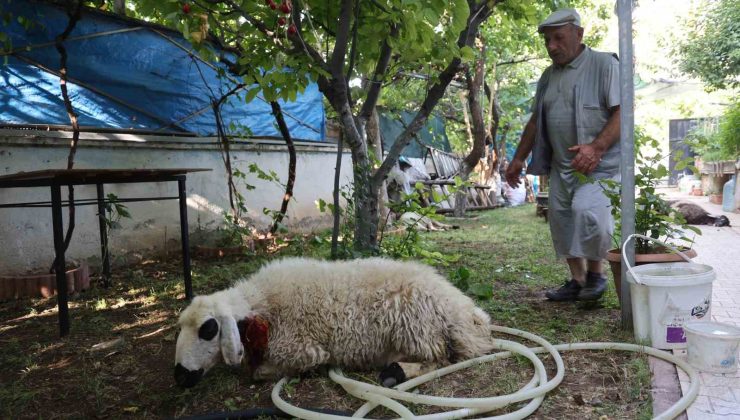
x: 231, y: 345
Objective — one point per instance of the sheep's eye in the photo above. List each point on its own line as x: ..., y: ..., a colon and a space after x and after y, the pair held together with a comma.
x: 208, y: 330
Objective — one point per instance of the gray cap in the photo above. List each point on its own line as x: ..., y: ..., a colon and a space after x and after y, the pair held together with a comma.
x: 561, y: 17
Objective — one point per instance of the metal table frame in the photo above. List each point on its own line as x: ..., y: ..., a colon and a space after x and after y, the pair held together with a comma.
x: 56, y: 179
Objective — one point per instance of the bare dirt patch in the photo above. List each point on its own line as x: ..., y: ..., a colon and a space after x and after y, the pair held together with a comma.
x: 130, y: 372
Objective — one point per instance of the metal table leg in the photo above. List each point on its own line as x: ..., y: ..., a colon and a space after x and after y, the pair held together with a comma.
x: 59, y: 266
x: 185, y: 239
x: 104, y: 252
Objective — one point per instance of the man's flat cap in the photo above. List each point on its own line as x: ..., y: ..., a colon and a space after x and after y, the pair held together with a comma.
x: 561, y: 17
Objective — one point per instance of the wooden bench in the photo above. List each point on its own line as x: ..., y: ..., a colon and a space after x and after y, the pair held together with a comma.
x: 446, y: 166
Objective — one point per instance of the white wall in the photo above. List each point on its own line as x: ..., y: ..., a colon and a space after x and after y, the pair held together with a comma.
x: 27, y: 241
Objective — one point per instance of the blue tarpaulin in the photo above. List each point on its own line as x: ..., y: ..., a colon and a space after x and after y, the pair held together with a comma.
x: 129, y: 75
x: 432, y: 134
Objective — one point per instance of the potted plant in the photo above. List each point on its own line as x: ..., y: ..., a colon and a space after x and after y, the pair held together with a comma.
x: 654, y: 217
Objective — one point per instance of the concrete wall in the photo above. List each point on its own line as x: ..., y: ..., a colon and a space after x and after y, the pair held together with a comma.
x: 26, y: 235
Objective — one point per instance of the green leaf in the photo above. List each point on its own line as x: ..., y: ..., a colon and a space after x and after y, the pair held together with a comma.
x: 460, y: 278
x: 693, y: 229
x: 251, y: 94
x: 122, y: 211
x: 482, y: 290
x: 467, y: 54
x: 462, y: 273
x: 460, y: 13
x: 436, y: 197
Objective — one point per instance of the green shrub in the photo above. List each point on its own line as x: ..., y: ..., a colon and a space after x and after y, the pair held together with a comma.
x: 654, y: 218
x: 728, y: 135
x: 714, y: 142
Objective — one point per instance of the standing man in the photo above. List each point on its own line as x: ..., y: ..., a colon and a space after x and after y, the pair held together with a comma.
x: 574, y: 128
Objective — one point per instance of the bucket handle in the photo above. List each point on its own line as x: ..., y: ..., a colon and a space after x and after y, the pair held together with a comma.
x: 637, y: 235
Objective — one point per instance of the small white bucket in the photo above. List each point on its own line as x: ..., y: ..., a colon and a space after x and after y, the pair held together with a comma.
x: 712, y: 346
x: 665, y: 296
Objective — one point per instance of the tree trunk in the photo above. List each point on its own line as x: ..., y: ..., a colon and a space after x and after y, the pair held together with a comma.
x: 495, y: 124
x: 119, y: 7
x: 285, y: 131
x: 375, y: 141
x: 73, y: 13
x: 335, y: 196
x: 366, y: 203
x: 466, y: 117
x: 502, y: 145
x: 475, y: 83
x: 367, y: 182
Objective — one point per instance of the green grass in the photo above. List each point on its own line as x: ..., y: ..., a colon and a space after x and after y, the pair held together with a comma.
x: 506, y: 253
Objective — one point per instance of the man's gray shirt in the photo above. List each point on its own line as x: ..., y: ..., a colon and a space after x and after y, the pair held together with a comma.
x: 572, y: 107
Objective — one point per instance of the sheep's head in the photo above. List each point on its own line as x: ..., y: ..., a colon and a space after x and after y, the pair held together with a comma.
x: 207, y: 333
x: 722, y: 221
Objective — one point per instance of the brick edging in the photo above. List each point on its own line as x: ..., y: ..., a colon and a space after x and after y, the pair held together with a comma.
x: 665, y: 386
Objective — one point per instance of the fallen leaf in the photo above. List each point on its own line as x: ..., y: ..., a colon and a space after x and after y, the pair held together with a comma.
x: 107, y: 345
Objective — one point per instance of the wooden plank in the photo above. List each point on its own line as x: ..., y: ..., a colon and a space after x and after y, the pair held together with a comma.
x: 449, y: 182
x: 71, y: 174
x: 446, y: 211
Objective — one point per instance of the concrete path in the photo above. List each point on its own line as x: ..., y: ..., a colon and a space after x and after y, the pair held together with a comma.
x: 719, y: 396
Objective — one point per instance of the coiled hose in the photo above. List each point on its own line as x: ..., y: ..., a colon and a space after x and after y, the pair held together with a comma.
x: 534, y: 390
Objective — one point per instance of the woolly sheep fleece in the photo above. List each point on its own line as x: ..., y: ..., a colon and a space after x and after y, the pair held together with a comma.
x: 356, y: 314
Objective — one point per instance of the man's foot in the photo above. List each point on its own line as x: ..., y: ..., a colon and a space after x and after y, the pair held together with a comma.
x: 594, y: 288
x: 569, y: 291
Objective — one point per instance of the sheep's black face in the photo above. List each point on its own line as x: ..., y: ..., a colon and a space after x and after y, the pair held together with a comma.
x: 206, y: 333
x: 198, y: 350
x: 722, y: 221
x: 187, y: 378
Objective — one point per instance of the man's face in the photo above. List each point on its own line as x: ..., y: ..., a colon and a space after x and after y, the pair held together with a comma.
x: 563, y: 42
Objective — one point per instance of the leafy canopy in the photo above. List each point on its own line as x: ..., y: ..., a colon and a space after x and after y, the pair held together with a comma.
x: 259, y: 36
x: 712, y: 49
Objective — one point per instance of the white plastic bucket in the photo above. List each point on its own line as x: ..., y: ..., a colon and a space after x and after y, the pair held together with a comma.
x: 665, y: 296
x: 712, y: 346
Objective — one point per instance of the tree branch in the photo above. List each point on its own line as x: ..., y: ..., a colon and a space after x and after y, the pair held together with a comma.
x: 517, y: 61
x: 295, y: 39
x: 379, y: 6
x: 73, y: 13
x: 336, y: 64
x: 285, y: 131
x: 380, y: 69
x: 476, y: 111
x: 478, y: 13
x: 326, y: 29
x: 353, y: 50
x: 256, y: 23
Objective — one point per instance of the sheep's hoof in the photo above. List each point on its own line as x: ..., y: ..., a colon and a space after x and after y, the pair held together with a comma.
x: 392, y: 375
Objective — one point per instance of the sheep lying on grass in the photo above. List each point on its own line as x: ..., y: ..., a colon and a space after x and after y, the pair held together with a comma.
x: 296, y: 314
